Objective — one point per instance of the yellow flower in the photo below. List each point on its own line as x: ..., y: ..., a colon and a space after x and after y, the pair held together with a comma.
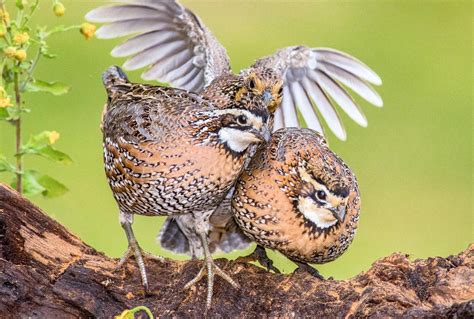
x: 9, y: 52
x: 53, y: 137
x: 20, y: 55
x: 88, y: 30
x: 21, y: 38
x: 5, y: 102
x: 59, y: 9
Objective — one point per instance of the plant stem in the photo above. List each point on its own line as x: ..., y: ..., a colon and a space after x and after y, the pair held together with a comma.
x: 19, y: 158
x: 29, y: 75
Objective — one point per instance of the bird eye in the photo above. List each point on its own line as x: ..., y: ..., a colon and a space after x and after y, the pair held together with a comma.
x: 241, y: 119
x: 252, y: 84
x: 280, y: 91
x: 321, y: 195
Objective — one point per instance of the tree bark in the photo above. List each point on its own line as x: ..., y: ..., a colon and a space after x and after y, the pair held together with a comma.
x: 47, y: 272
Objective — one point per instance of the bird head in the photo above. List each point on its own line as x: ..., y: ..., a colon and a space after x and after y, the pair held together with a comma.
x: 320, y: 200
x: 320, y: 184
x: 261, y: 83
x: 240, y: 128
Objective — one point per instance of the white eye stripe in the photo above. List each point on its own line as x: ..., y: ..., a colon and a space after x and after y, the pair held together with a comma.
x: 252, y: 119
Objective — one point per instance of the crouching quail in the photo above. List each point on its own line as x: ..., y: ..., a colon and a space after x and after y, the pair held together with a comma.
x: 168, y: 152
x: 299, y: 198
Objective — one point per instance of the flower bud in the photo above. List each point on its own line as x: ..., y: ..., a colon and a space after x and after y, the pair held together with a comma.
x: 5, y: 102
x: 4, y: 99
x: 53, y: 137
x: 58, y: 9
x: 88, y: 30
x: 9, y: 52
x: 20, y: 55
x: 21, y: 4
x: 21, y: 38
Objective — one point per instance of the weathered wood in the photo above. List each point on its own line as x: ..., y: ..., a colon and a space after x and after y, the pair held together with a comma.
x: 46, y: 272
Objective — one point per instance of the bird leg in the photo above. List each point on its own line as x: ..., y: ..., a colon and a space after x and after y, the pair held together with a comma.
x: 134, y: 249
x: 307, y: 268
x: 259, y: 255
x: 209, y: 265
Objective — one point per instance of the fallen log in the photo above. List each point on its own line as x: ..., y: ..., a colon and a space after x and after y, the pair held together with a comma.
x: 47, y: 272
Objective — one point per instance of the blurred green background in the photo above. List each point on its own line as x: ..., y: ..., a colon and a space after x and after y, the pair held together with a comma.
x: 413, y: 162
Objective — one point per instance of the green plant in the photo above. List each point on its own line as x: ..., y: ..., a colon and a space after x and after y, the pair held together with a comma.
x: 130, y: 313
x: 18, y: 39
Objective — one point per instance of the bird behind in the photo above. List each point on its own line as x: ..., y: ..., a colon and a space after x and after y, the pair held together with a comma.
x: 169, y: 152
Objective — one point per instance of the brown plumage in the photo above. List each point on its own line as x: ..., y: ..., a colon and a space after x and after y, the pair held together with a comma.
x: 298, y: 198
x: 178, y: 233
x: 171, y: 152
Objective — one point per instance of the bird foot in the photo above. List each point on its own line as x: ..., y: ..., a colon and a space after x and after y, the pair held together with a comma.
x: 212, y: 269
x: 303, y: 267
x: 135, y: 250
x: 259, y: 255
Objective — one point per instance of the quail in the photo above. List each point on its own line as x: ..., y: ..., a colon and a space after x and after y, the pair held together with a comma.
x: 171, y: 152
x: 299, y: 198
x: 175, y: 47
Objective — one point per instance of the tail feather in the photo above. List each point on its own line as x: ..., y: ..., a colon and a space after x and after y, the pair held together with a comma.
x: 220, y: 239
x: 172, y: 238
x: 113, y: 78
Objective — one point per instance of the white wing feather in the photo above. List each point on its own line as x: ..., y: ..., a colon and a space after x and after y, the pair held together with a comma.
x: 314, y: 80
x: 167, y: 39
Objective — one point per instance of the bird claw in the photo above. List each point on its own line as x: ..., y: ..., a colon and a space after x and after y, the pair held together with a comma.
x: 259, y: 255
x: 212, y: 269
x: 135, y: 250
x: 304, y: 267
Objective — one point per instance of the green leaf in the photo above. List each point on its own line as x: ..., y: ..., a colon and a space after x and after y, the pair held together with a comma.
x: 53, y: 154
x: 31, y: 186
x: 41, y: 144
x: 37, y: 142
x: 54, y: 88
x: 35, y: 183
x: 4, y: 113
x: 10, y: 113
x: 50, y: 55
x: 6, y: 166
x: 52, y: 187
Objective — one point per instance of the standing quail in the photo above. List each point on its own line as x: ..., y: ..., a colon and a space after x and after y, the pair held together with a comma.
x: 176, y: 47
x: 171, y: 152
x: 299, y: 198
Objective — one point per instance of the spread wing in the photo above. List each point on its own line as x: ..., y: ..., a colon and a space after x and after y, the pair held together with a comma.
x: 168, y: 39
x: 316, y: 79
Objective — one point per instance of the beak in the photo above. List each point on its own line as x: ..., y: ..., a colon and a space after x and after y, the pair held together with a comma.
x: 339, y: 213
x: 267, y: 97
x: 262, y: 135
x: 259, y: 138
